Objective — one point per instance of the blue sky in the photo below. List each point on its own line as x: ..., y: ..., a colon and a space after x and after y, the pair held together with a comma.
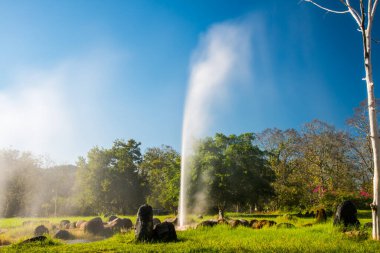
x: 75, y: 74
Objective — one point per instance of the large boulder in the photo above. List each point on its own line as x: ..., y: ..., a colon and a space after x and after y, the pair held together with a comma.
x: 156, y: 221
x: 41, y: 230
x: 164, y: 232
x: 172, y: 220
x: 244, y: 222
x: 79, y: 223
x: 235, y: 223
x: 112, y: 217
x: 263, y: 223
x: 144, y: 223
x: 94, y: 226
x: 207, y: 223
x: 119, y: 223
x: 346, y: 214
x: 63, y: 224
x: 321, y: 216
x: 72, y: 225
x: 63, y: 235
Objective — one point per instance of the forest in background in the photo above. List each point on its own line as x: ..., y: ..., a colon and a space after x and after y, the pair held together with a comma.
x: 315, y: 166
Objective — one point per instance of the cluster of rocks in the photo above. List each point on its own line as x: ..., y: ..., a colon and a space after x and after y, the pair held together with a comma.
x: 149, y: 229
x: 255, y: 224
x: 346, y: 215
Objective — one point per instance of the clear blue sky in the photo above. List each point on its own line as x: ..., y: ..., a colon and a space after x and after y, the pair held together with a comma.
x: 75, y: 74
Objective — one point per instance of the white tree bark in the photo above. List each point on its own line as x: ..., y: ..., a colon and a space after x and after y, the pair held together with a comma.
x: 365, y: 22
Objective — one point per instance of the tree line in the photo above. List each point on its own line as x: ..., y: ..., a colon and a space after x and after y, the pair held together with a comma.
x: 315, y: 166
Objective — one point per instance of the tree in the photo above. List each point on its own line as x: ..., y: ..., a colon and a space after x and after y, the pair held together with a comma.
x: 161, y: 169
x: 364, y: 19
x: 110, y: 180
x: 230, y: 170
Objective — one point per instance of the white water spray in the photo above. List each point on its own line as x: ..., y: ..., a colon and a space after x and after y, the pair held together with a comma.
x: 220, y: 62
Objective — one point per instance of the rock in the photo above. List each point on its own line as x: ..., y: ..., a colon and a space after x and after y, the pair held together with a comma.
x: 346, y: 214
x: 79, y: 223
x: 263, y: 223
x: 172, y: 220
x: 94, y: 226
x: 156, y: 221
x: 112, y: 217
x: 285, y: 225
x: 41, y: 230
x: 63, y: 223
x: 321, y: 216
x: 164, y: 232
x: 207, y: 223
x: 223, y: 221
x: 234, y: 223
x: 83, y: 225
x: 252, y: 223
x: 244, y: 222
x: 119, y: 223
x: 63, y: 235
x: 35, y: 239
x: 144, y: 223
x: 72, y: 225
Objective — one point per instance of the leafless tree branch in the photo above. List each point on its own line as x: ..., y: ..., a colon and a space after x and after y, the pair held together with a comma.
x: 354, y: 13
x: 327, y: 9
x: 374, y: 7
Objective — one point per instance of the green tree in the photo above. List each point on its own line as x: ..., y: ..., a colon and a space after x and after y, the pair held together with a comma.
x: 230, y: 170
x: 161, y: 168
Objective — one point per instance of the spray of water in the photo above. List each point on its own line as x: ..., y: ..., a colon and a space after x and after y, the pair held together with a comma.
x: 220, y: 62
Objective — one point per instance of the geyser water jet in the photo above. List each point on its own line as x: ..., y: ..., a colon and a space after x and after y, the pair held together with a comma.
x: 220, y: 61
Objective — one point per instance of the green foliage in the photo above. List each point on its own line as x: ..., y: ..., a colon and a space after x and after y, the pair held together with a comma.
x: 110, y: 181
x: 161, y: 168
x: 233, y: 171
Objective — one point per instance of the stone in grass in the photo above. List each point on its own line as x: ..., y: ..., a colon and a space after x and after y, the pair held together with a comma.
x: 244, y: 222
x: 79, y: 223
x: 63, y: 235
x: 285, y: 225
x: 156, y: 221
x: 164, y: 232
x: 41, y: 230
x: 39, y: 238
x: 346, y: 214
x: 94, y: 226
x: 63, y: 223
x: 112, y: 217
x: 263, y: 223
x: 253, y: 222
x: 144, y: 223
x: 172, y: 220
x: 234, y: 223
x: 119, y: 223
x: 207, y: 223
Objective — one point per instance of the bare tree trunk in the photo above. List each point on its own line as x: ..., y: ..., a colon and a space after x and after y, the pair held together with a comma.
x: 364, y: 20
x: 374, y: 135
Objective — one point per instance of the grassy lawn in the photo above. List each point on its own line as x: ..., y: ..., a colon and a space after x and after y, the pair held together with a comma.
x: 318, y: 238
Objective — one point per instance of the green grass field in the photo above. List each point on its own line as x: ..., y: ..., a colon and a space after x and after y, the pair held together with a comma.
x: 222, y: 238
